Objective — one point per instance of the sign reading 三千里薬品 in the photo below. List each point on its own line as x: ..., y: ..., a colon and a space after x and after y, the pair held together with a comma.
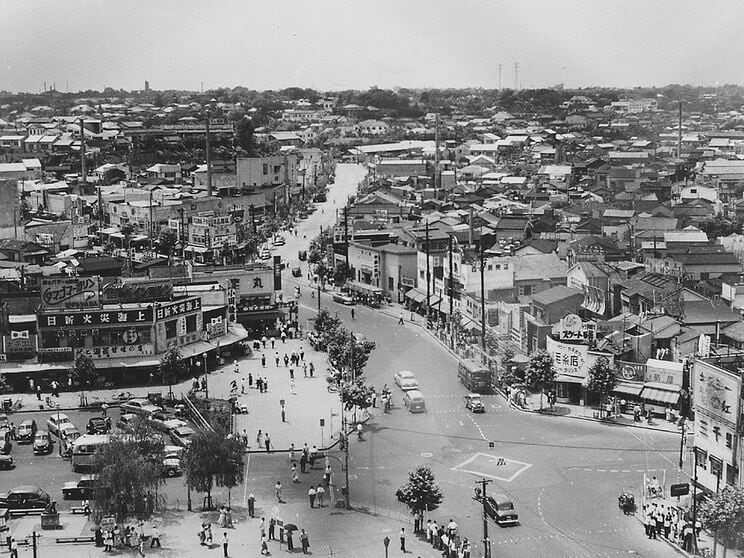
x: 97, y: 317
x: 70, y: 292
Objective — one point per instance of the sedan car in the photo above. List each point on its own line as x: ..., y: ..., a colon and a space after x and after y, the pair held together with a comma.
x: 55, y: 421
x: 24, y: 497
x: 69, y: 432
x: 405, y: 380
x: 43, y: 443
x: 97, y: 425
x: 6, y: 462
x: 140, y: 407
x: 474, y: 403
x: 81, y: 489
x: 26, y: 432
x: 500, y: 508
x: 296, y: 272
x: 344, y: 298
x: 182, y: 436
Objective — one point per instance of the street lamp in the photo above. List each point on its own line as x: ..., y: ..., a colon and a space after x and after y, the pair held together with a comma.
x: 206, y: 377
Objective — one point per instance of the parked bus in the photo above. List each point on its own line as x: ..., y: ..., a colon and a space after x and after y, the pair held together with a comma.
x: 84, y: 450
x: 474, y: 376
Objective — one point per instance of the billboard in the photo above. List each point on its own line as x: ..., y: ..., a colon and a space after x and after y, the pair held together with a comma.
x: 70, y: 292
x: 664, y: 372
x: 631, y: 371
x: 716, y: 392
x: 568, y: 359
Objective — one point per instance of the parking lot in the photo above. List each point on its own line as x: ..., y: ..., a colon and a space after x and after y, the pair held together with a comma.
x: 50, y: 472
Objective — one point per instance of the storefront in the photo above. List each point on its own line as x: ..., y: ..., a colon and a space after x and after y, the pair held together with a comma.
x: 662, y: 385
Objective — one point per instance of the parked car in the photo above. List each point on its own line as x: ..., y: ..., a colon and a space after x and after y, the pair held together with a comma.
x: 43, y: 443
x: 181, y: 436
x: 500, y: 508
x: 474, y: 403
x: 125, y: 420
x: 296, y: 272
x: 6, y: 462
x: 172, y: 465
x: 54, y: 421
x: 168, y: 426
x: 97, y: 425
x: 344, y: 298
x: 5, y: 445
x: 26, y: 431
x: 81, y: 489
x: 279, y: 241
x: 24, y: 497
x: 140, y: 407
x: 405, y: 380
x: 265, y: 254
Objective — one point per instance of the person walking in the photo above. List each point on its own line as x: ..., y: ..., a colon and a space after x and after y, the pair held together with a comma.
x: 236, y: 367
x: 263, y: 341
x: 264, y: 546
x: 278, y: 490
x: 291, y: 373
x: 14, y: 548
x: 242, y: 385
x: 250, y: 379
x: 305, y: 540
x: 265, y: 384
x: 295, y: 479
x: 311, y: 369
x: 259, y: 438
x: 262, y: 527
x: 286, y: 360
x: 311, y: 496
x: 276, y: 358
x: 402, y: 536
x: 272, y: 342
x: 155, y: 540
x: 302, y: 354
x: 251, y: 505
x: 284, y: 416
x: 352, y: 313
x: 224, y: 544
x: 319, y: 495
x: 400, y: 319
x: 267, y: 442
x: 303, y: 462
x: 263, y: 360
x: 272, y: 528
x: 292, y: 389
x: 304, y: 369
x: 290, y: 542
x: 141, y: 546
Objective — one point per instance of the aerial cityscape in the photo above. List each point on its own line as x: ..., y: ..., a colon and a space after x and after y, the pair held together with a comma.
x: 371, y: 280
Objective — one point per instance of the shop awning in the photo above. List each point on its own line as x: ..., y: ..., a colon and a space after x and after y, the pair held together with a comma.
x: 434, y: 300
x: 628, y: 388
x: 661, y: 393
x: 416, y: 295
x: 469, y: 324
x: 568, y: 379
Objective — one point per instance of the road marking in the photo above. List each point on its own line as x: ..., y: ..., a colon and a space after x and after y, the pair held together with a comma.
x: 427, y: 454
x: 502, y: 463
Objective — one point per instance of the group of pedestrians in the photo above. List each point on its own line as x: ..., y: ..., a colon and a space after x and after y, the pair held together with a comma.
x: 444, y: 537
x: 666, y: 521
x: 286, y: 534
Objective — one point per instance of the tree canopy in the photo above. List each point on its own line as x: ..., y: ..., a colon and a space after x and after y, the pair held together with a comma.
x: 171, y: 366
x: 602, y: 377
x: 724, y: 512
x: 540, y: 373
x: 421, y: 492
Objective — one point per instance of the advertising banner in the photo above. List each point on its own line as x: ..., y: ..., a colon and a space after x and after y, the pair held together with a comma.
x: 70, y: 292
x: 277, y: 273
x: 98, y: 318
x: 631, y: 371
x: 120, y: 351
x: 716, y: 392
x: 664, y: 372
x: 177, y: 308
x: 567, y: 359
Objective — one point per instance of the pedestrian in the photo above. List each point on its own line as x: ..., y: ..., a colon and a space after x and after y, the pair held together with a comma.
x: 284, y: 336
x: 259, y: 438
x: 272, y: 527
x: 302, y: 354
x: 286, y: 360
x: 221, y: 519
x: 251, y: 505
x: 262, y: 526
x: 224, y: 544
x: 292, y: 387
x: 428, y: 531
x: 403, y: 540
x: 319, y: 495
x: 303, y: 462
x: 305, y: 540
x: 312, y: 369
x: 264, y: 546
x: 290, y: 542
x: 284, y: 416
x: 295, y: 479
x: 291, y: 453
x: 267, y: 442
x: 14, y: 548
x: 304, y: 369
x: 272, y: 342
x: 236, y: 367
x: 278, y: 490
x: 276, y: 358
x: 141, y: 546
x: 263, y: 341
x: 265, y: 384
x: 400, y: 319
x: 242, y: 385
x: 263, y: 360
x: 38, y: 392
x: 244, y: 437
x: 209, y: 533
x: 291, y: 373
x: 259, y: 384
x: 311, y: 495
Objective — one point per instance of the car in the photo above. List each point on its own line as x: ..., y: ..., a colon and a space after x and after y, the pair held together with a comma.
x: 500, y: 508
x: 5, y: 445
x: 125, y: 421
x: 265, y: 254
x: 69, y: 432
x: 6, y: 462
x: 172, y: 465
x: 302, y: 255
x: 54, y: 421
x: 413, y: 399
x: 81, y: 489
x: 181, y: 436
x: 344, y: 298
x: 24, y: 497
x: 4, y: 421
x: 140, y: 407
x: 26, y: 431
x: 405, y: 380
x: 97, y: 425
x: 279, y: 241
x: 43, y: 443
x: 168, y: 426
x: 474, y: 403
x: 296, y: 272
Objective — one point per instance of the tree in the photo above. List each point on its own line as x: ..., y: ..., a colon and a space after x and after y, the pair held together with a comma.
x: 129, y: 475
x: 341, y: 273
x: 167, y: 241
x: 540, y: 373
x: 326, y: 325
x: 348, y: 354
x: 84, y: 370
x: 244, y: 138
x: 602, y: 378
x: 421, y: 493
x: 127, y: 230
x: 724, y: 513
x: 356, y: 394
x: 171, y: 367
x: 213, y: 458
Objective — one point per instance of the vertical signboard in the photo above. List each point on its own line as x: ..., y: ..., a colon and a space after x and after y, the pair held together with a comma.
x: 277, y: 273
x: 716, y: 392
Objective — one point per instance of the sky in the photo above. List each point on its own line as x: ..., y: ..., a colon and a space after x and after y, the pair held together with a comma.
x: 349, y: 44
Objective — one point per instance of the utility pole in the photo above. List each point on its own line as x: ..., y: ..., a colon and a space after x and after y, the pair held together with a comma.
x: 346, y: 233
x: 83, y: 167
x: 483, y: 295
x: 436, y: 154
x: 486, y: 540
x: 347, y: 498
x: 318, y: 295
x: 209, y: 158
x: 450, y: 283
x: 428, y: 273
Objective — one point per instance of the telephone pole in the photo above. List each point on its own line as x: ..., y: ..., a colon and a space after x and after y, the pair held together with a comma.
x: 428, y: 272
x: 483, y: 294
x: 486, y: 540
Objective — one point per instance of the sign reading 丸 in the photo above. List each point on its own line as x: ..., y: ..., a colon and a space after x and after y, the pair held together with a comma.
x: 70, y: 292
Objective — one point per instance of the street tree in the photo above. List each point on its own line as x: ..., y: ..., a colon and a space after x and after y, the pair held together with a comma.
x: 326, y: 325
x: 167, y: 241
x: 602, y: 378
x: 232, y: 467
x: 356, y: 395
x: 540, y: 373
x: 723, y: 513
x: 128, y: 479
x: 171, y: 368
x: 213, y: 458
x: 349, y: 354
x: 84, y: 370
x: 421, y: 493
x: 341, y: 273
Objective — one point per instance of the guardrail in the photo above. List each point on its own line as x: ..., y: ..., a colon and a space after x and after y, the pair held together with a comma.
x: 198, y: 419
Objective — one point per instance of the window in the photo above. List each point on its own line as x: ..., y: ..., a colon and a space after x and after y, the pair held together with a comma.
x: 704, y: 428
x: 391, y: 283
x: 265, y: 168
x: 277, y: 169
x: 506, y: 266
x: 170, y: 329
x: 729, y: 440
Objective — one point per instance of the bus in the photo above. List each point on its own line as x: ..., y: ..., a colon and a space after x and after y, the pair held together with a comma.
x: 474, y: 376
x: 84, y: 450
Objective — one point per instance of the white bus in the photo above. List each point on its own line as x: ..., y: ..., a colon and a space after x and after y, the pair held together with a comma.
x: 84, y: 449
